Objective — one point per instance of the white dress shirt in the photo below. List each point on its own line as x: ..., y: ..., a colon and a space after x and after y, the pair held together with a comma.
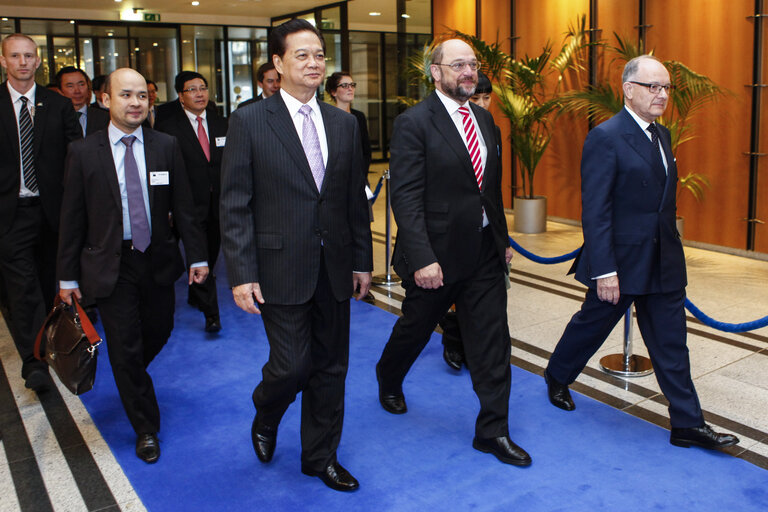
x: 16, y: 102
x: 453, y: 110
x: 193, y: 119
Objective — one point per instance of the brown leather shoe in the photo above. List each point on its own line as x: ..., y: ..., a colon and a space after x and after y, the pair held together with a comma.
x: 702, y: 436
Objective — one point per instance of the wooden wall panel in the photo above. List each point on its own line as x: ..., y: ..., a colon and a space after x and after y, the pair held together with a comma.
x: 495, y: 26
x: 761, y: 230
x: 712, y: 37
x: 448, y: 15
x: 557, y: 176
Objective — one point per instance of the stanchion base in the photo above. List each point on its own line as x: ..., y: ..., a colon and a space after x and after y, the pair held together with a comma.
x: 386, y: 280
x: 639, y: 366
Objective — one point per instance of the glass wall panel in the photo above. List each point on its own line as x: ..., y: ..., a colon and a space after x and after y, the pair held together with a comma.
x: 156, y: 56
x: 331, y: 19
x: 247, y: 51
x: 332, y: 54
x: 365, y: 67
x: 7, y: 27
x: 106, y: 45
x: 202, y: 49
x: 44, y: 32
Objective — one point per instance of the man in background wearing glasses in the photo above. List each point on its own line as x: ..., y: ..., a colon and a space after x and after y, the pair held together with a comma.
x: 202, y: 135
x: 452, y: 245
x: 632, y: 253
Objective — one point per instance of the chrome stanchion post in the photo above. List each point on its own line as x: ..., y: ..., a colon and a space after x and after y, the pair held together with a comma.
x: 626, y: 364
x: 388, y: 279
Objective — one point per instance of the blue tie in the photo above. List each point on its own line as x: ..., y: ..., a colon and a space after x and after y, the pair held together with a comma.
x: 136, y: 209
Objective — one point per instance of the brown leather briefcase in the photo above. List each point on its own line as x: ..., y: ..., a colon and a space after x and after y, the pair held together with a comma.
x: 70, y: 343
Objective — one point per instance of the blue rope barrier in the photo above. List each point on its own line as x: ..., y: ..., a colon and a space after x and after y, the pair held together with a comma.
x: 378, y: 189
x: 724, y: 326
x: 540, y: 259
x: 696, y: 312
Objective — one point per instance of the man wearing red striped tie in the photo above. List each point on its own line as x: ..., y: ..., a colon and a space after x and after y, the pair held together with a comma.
x: 452, y: 244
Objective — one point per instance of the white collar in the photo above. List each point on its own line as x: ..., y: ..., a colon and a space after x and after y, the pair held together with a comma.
x: 15, y: 95
x: 193, y: 117
x: 450, y: 104
x: 643, y: 123
x: 115, y: 134
x: 294, y: 105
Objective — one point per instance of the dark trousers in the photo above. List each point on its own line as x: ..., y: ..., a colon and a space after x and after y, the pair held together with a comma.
x: 138, y: 319
x: 661, y: 319
x: 28, y: 268
x: 308, y: 352
x: 203, y: 296
x: 481, y: 307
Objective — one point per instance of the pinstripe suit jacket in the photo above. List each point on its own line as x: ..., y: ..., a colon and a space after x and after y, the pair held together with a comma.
x: 274, y: 221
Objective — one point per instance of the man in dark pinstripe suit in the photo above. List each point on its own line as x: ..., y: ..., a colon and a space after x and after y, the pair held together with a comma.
x: 296, y: 237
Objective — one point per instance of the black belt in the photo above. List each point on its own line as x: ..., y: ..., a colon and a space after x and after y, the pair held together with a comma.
x: 28, y: 201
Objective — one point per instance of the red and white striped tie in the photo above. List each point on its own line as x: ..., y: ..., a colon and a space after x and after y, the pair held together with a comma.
x: 473, y: 144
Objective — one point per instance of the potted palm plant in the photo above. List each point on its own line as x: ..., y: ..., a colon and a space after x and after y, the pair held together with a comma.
x: 529, y: 91
x: 691, y: 92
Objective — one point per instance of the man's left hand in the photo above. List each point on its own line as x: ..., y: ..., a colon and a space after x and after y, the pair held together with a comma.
x: 198, y: 274
x: 362, y: 279
x: 508, y: 253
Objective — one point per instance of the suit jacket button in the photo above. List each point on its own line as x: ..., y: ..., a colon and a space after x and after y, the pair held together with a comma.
x: 655, y: 240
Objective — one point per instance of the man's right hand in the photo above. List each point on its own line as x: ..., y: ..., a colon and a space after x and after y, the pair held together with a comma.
x: 66, y: 295
x: 429, y: 277
x: 608, y: 289
x: 245, y: 294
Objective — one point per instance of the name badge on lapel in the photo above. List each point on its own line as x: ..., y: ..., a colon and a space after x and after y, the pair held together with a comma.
x: 158, y: 178
x: 220, y: 141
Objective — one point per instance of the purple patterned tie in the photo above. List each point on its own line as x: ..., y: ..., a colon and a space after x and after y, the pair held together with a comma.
x: 136, y: 208
x: 311, y: 144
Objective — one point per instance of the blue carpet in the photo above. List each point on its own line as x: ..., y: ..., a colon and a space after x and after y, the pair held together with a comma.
x: 595, y: 458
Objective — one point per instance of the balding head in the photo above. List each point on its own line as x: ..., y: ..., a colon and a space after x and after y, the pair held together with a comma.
x: 127, y: 99
x: 452, y: 69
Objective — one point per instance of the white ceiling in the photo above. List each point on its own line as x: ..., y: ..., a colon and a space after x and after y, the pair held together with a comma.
x: 226, y: 12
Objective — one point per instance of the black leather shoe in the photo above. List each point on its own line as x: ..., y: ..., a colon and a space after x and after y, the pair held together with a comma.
x: 391, y: 402
x: 264, y: 440
x: 148, y: 448
x: 334, y: 476
x: 558, y: 393
x: 504, y: 450
x: 702, y: 436
x: 38, y: 381
x: 453, y: 358
x: 212, y: 323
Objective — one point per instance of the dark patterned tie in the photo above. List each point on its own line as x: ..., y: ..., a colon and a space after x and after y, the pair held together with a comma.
x: 136, y: 209
x: 26, y: 142
x: 655, y: 138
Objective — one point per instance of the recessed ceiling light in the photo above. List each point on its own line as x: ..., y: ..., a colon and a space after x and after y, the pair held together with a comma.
x: 154, y: 44
x: 72, y: 22
x: 110, y: 34
x: 195, y: 3
x: 5, y: 19
x: 118, y: 1
x: 374, y: 13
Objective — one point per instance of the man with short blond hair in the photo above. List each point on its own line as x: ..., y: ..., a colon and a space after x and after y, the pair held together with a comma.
x: 36, y: 125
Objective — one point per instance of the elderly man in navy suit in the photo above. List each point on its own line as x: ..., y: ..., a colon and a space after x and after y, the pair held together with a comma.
x: 632, y: 253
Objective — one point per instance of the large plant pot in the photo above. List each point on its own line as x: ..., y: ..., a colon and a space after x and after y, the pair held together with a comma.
x: 531, y: 214
x: 680, y: 223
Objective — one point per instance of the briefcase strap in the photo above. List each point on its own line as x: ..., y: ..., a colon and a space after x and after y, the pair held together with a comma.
x: 85, y: 322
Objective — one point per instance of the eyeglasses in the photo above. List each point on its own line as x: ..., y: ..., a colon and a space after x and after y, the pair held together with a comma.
x: 194, y: 90
x: 655, y: 88
x: 458, y: 66
x: 347, y: 85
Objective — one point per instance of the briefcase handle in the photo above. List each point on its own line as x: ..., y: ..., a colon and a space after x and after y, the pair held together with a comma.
x: 85, y: 322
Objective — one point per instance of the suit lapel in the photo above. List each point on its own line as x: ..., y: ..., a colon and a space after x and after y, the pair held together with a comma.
x: 8, y: 119
x: 489, y: 137
x: 333, y: 138
x: 151, y: 162
x: 640, y: 142
x: 279, y: 120
x: 188, y: 133
x: 42, y: 107
x: 107, y: 162
x: 445, y: 126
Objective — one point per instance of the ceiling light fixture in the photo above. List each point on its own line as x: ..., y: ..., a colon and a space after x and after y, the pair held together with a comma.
x: 374, y: 13
x: 404, y: 15
x: 195, y: 3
